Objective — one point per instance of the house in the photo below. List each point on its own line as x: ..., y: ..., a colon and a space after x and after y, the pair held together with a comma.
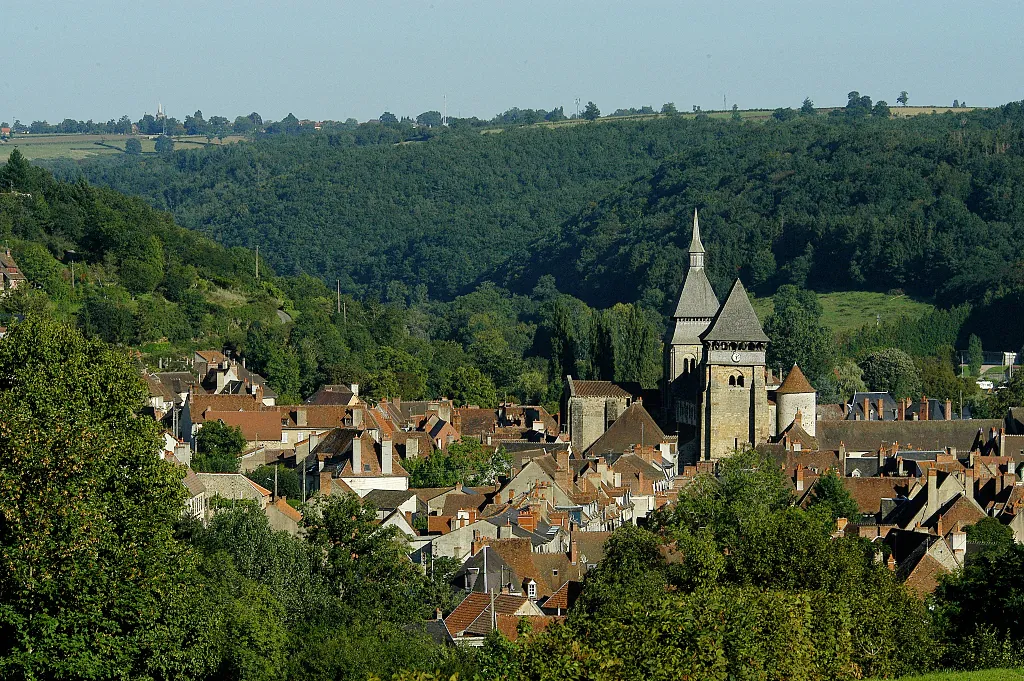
x: 283, y: 517
x: 233, y: 487
x: 479, y: 613
x: 196, y: 504
x: 388, y: 501
x: 220, y: 375
x: 336, y: 395
x: 633, y: 428
x: 199, y: 405
x: 11, y: 276
x: 590, y: 408
x: 364, y: 460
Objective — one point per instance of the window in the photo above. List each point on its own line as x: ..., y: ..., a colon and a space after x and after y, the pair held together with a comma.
x: 732, y: 381
x: 531, y: 589
x: 739, y: 381
x: 366, y: 468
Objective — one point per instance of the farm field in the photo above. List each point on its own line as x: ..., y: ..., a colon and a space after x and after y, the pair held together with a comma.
x: 846, y: 311
x: 77, y: 147
x: 986, y: 675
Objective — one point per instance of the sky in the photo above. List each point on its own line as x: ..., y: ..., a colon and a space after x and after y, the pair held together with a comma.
x: 338, y: 59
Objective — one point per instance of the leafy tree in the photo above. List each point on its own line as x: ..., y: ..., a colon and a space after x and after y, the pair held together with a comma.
x: 735, y: 115
x: 591, y: 112
x: 466, y: 461
x: 784, y: 114
x: 92, y: 582
x: 807, y: 108
x: 903, y: 98
x: 468, y: 385
x: 975, y: 355
x: 364, y: 564
x: 388, y: 118
x: 164, y: 145
x: 288, y: 483
x: 881, y: 109
x: 132, y: 146
x: 983, y: 601
x: 669, y: 109
x: 992, y: 533
x: 430, y: 119
x: 832, y: 497
x: 218, y: 447
x: 797, y: 334
x: 893, y: 371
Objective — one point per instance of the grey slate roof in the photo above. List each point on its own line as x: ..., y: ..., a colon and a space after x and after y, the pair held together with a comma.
x: 387, y: 499
x: 697, y: 298
x: 736, y: 320
x: 868, y: 436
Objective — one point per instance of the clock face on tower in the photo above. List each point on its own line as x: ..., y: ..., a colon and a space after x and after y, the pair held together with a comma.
x: 735, y: 356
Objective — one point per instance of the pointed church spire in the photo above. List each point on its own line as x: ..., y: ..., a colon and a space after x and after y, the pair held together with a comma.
x: 696, y: 247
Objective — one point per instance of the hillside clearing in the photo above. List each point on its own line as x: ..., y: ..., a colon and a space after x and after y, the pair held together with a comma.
x: 845, y: 311
x: 77, y: 147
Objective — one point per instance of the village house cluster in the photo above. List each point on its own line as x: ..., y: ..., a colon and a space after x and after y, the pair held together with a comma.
x: 919, y: 473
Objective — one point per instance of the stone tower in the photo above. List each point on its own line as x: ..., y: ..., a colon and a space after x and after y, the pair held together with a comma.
x: 734, y: 398
x: 684, y: 350
x: 795, y: 394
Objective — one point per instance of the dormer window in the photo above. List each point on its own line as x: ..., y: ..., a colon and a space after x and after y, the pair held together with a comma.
x: 366, y: 468
x: 531, y: 590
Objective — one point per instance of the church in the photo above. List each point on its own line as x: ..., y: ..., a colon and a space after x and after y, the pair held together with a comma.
x: 718, y: 394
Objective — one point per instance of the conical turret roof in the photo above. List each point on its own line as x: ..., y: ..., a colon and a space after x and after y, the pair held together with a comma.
x: 736, y: 320
x: 795, y: 382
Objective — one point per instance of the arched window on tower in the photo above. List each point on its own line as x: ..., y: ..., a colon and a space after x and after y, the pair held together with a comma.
x: 732, y: 381
x: 739, y: 380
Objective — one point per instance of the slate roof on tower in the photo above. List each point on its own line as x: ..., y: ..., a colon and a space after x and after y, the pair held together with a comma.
x: 736, y: 320
x: 795, y: 383
x: 697, y: 299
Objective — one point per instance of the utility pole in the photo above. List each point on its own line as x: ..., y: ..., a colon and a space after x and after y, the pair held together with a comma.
x: 339, y: 296
x: 257, y: 261
x: 275, y: 482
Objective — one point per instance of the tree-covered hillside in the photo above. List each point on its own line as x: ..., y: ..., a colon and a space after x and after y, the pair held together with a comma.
x: 382, y: 216
x: 932, y: 205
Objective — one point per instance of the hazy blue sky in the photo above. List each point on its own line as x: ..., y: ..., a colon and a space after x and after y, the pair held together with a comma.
x: 100, y: 59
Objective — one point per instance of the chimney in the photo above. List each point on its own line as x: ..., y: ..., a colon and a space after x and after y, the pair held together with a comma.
x: 933, y: 492
x: 325, y: 482
x: 959, y: 540
x: 841, y: 524
x: 300, y: 418
x: 891, y: 563
x: 903, y: 411
x: 437, y: 614
x: 387, y: 455
x: 355, y: 389
x: 799, y: 418
x: 949, y: 410
x: 412, y: 448
x: 924, y: 408
x: 357, y: 454
x: 574, y: 552
x: 969, y: 483
x: 505, y: 531
x: 799, y: 478
x: 478, y: 543
x: 866, y: 406
x: 357, y: 417
x: 880, y: 408
x: 314, y: 440
x: 563, y: 476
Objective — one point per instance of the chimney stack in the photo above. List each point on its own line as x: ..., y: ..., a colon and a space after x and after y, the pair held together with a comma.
x: 574, y: 552
x: 300, y: 418
x: 357, y: 454
x: 969, y: 483
x: 891, y: 563
x: 357, y: 417
x: 880, y: 408
x: 866, y: 406
x: 387, y: 453
x: 924, y: 408
x: 933, y: 492
x: 355, y: 389
x: 325, y: 482
x: 412, y: 448
x: 799, y: 478
x: 949, y: 410
x: 902, y: 411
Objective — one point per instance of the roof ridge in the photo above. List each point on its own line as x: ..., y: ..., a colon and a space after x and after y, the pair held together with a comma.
x: 736, y: 319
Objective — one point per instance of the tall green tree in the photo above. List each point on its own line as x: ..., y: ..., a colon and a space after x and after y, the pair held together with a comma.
x: 797, y: 334
x: 975, y: 355
x: 591, y: 112
x: 92, y: 581
x: 892, y: 370
x: 218, y: 447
